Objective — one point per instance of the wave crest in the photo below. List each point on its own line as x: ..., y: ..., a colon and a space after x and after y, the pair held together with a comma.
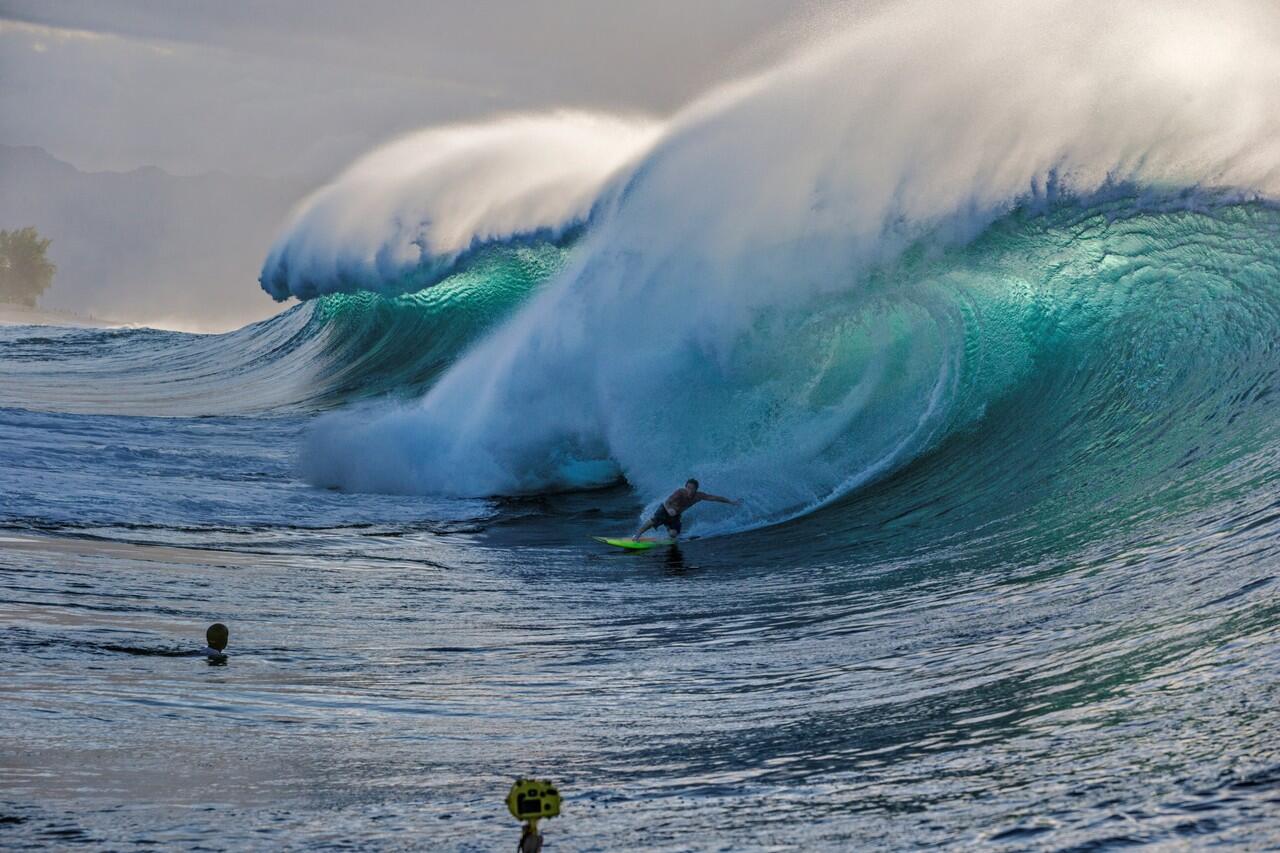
x: 406, y: 215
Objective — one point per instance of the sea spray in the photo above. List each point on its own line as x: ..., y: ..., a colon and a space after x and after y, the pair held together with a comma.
x: 408, y: 214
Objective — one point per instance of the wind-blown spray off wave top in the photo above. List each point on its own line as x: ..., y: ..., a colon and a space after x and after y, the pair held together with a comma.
x: 809, y: 278
x: 410, y: 213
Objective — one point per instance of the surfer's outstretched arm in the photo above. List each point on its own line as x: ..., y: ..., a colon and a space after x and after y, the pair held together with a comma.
x: 703, y: 496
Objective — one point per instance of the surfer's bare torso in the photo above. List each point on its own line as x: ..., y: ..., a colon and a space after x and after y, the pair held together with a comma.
x: 680, y: 500
x: 668, y: 515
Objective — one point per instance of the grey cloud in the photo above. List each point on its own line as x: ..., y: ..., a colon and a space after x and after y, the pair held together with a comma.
x: 291, y: 91
x: 278, y: 78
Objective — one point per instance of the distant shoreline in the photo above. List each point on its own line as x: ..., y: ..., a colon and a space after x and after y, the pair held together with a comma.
x: 12, y: 314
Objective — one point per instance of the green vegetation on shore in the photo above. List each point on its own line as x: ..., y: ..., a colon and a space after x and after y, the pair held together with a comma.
x: 25, y: 270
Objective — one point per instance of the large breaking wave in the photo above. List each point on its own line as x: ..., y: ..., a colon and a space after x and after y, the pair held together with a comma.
x: 809, y: 278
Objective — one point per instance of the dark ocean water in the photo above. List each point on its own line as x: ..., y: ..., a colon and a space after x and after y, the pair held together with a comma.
x: 1050, y: 623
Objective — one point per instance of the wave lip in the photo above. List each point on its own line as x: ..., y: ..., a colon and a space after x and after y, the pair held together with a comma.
x: 412, y: 212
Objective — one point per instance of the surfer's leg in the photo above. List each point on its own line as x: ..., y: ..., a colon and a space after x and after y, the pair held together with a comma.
x: 661, y: 518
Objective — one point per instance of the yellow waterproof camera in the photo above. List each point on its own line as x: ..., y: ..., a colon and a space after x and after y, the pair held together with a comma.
x: 533, y: 799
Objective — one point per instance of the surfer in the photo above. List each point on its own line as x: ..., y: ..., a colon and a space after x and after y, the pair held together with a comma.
x: 668, y: 515
x: 216, y: 637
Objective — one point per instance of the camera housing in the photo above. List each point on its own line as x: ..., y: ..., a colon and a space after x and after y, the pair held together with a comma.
x: 533, y: 799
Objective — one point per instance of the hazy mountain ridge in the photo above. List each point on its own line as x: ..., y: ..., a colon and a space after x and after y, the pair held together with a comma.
x: 145, y: 245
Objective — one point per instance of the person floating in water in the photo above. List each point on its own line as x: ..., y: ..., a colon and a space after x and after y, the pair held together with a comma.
x: 668, y: 515
x: 216, y: 637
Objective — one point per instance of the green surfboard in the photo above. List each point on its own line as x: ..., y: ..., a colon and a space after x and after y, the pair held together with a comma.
x: 634, y: 544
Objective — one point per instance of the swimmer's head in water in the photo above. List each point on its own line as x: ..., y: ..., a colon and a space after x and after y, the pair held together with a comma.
x: 216, y: 636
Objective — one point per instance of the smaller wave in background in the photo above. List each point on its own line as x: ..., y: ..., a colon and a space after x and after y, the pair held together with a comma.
x: 416, y: 210
x: 317, y: 355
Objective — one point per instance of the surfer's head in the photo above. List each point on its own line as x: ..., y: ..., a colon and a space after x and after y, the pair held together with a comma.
x: 691, y: 486
x: 216, y: 636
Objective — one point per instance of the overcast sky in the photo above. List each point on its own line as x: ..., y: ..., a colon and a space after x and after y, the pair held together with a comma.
x: 299, y: 87
x: 293, y: 91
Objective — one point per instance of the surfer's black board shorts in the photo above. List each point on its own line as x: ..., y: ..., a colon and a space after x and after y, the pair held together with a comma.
x: 662, y: 518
